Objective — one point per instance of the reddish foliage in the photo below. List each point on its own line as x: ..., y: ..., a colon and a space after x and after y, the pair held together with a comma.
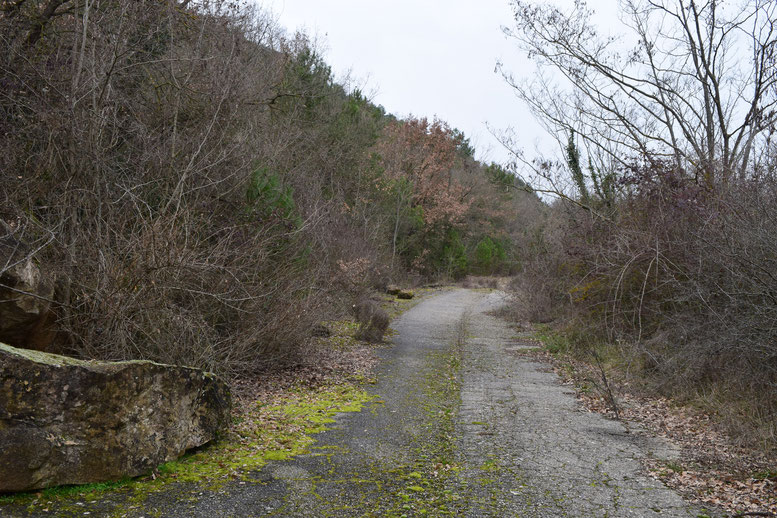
x: 424, y: 153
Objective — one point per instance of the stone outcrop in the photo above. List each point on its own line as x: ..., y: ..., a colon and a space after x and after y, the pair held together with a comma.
x: 25, y: 303
x: 67, y: 421
x: 29, y: 297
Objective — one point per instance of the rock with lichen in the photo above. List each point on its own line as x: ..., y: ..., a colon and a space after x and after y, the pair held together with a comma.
x: 67, y: 421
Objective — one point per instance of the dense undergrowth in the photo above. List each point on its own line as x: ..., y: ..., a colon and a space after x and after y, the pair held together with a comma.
x: 684, y: 308
x: 658, y: 251
x: 679, y: 299
x: 202, y: 190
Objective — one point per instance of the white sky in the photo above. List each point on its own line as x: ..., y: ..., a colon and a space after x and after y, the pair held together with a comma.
x: 426, y: 58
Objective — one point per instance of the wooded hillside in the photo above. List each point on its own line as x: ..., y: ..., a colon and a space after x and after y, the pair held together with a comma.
x: 198, y: 185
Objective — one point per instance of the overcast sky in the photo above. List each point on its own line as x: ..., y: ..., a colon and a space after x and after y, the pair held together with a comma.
x: 426, y: 58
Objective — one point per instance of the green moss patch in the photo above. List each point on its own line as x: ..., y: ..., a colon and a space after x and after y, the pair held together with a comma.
x: 429, y: 486
x: 343, y: 332
x: 266, y: 432
x: 553, y: 341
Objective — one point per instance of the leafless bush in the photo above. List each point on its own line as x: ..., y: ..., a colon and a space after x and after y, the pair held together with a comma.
x: 129, y: 136
x: 533, y: 299
x: 539, y: 289
x: 683, y: 281
x: 373, y: 320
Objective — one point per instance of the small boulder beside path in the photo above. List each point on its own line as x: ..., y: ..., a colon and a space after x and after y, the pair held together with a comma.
x: 393, y: 290
x: 68, y: 421
x: 400, y: 293
x: 405, y: 295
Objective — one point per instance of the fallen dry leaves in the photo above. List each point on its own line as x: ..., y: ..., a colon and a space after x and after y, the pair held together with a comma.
x: 349, y: 361
x: 712, y: 468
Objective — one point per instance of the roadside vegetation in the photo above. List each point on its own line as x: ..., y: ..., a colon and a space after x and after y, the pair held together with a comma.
x: 657, y: 252
x: 200, y: 189
x: 203, y: 191
x: 651, y: 284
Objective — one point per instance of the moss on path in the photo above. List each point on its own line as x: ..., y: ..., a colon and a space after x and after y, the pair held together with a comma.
x: 455, y: 425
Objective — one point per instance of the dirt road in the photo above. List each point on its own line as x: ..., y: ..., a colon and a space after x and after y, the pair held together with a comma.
x: 463, y: 426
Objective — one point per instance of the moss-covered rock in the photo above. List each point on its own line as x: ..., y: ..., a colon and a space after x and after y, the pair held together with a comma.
x: 67, y: 421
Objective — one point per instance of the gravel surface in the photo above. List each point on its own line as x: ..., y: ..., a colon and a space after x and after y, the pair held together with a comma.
x: 546, y: 456
x: 463, y: 427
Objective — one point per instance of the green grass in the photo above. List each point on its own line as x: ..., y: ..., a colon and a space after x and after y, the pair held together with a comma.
x: 769, y: 474
x: 677, y: 468
x: 553, y: 341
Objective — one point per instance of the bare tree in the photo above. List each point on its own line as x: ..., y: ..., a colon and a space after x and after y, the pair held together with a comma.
x: 692, y: 83
x: 678, y: 272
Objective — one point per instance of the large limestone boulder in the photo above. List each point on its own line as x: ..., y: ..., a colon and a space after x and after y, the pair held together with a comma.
x: 66, y: 421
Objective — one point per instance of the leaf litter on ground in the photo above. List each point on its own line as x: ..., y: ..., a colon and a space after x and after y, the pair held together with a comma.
x: 713, y: 468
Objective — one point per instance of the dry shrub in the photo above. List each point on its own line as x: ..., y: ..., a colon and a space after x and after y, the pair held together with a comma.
x: 373, y: 320
x: 682, y: 278
x: 129, y: 148
x: 539, y: 289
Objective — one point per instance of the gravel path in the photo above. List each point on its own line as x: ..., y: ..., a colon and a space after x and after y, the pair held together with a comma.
x: 541, y: 453
x: 464, y: 427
